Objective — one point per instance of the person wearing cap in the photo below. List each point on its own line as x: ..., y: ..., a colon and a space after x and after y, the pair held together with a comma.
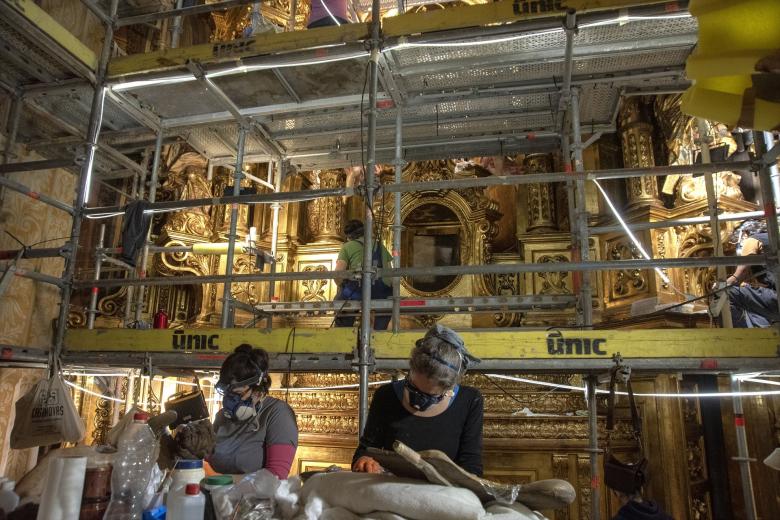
x: 351, y: 259
x: 253, y: 430
x: 429, y: 409
x: 752, y: 291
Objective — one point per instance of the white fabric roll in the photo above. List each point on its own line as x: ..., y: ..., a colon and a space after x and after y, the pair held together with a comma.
x: 365, y: 493
x: 61, y: 499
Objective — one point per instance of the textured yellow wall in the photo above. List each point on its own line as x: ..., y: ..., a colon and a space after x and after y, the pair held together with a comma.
x: 27, y: 308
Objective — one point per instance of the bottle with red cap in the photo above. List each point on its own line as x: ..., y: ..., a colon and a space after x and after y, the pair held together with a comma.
x: 133, y: 465
x: 160, y: 320
x: 186, y: 503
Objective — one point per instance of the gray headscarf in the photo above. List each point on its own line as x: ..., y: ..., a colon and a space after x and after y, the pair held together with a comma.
x: 451, y: 337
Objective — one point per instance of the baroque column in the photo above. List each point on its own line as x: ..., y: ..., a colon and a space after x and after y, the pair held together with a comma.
x: 541, y: 197
x: 325, y: 216
x: 637, y: 140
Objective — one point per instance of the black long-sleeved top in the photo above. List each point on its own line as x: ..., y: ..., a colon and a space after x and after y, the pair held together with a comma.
x: 457, y: 431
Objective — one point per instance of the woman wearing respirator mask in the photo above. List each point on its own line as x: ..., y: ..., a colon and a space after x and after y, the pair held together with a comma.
x: 253, y: 430
x: 429, y: 409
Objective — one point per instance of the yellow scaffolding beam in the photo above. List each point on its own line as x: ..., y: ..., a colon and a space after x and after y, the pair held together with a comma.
x: 49, y: 26
x: 507, y: 345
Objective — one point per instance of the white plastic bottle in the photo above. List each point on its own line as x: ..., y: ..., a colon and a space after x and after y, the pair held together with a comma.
x: 187, y: 471
x: 132, y: 470
x: 9, y: 500
x: 186, y: 504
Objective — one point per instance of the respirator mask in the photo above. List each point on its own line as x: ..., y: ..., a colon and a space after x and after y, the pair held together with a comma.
x: 235, y: 406
x: 420, y: 400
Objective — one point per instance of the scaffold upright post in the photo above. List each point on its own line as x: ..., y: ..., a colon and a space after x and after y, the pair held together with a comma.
x: 364, y: 350
x: 743, y: 455
x: 581, y: 221
x: 84, y: 179
x: 276, y: 207
x: 593, y: 448
x: 139, y: 304
x: 237, y: 175
x: 13, y: 128
x: 93, y: 297
x: 130, y: 301
x: 712, y: 208
x: 766, y: 174
x: 176, y: 28
x: 397, y: 225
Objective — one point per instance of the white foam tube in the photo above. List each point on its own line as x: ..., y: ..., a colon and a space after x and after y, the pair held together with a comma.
x: 61, y: 499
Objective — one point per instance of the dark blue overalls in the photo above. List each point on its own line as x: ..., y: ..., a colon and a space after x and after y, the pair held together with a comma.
x: 755, y: 306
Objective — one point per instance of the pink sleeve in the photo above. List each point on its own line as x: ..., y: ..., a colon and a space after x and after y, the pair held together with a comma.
x: 279, y: 459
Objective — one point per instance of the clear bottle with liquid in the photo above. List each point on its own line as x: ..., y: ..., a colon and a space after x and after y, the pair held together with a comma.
x: 132, y: 470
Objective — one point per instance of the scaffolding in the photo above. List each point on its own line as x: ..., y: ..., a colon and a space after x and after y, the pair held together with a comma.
x: 476, y: 80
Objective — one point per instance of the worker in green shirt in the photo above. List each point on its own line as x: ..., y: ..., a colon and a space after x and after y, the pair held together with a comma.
x: 350, y: 259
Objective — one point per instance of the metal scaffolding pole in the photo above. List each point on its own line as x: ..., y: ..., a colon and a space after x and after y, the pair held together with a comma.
x: 570, y: 25
x: 262, y: 198
x: 25, y: 190
x: 95, y: 121
x: 397, y: 225
x: 712, y: 206
x: 582, y: 248
x: 364, y: 349
x: 139, y: 304
x: 237, y: 175
x: 93, y: 297
x: 13, y: 128
x: 641, y: 226
x: 184, y: 11
x: 614, y: 265
x: 275, y: 207
x: 32, y: 275
x: 593, y: 448
x: 765, y: 174
x: 743, y: 455
x: 453, y: 184
x: 583, y: 175
x: 176, y: 27
x: 130, y: 300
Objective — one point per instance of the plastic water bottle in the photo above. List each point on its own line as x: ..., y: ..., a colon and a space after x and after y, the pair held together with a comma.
x: 132, y: 470
x: 186, y: 504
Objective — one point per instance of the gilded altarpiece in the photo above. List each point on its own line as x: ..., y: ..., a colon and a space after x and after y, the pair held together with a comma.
x: 474, y: 216
x: 323, y: 221
x: 543, y: 238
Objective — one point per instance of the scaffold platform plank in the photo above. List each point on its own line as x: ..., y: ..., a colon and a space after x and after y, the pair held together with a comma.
x: 260, y: 44
x: 653, y: 349
x: 492, y: 13
x: 53, y: 30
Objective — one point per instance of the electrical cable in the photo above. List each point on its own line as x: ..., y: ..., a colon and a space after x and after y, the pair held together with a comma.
x: 512, y: 397
x: 289, y: 364
x: 664, y: 395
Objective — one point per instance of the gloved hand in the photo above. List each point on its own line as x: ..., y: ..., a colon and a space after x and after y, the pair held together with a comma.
x: 195, y: 440
x: 366, y: 464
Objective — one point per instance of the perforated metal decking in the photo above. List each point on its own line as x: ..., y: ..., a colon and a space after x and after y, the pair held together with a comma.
x: 461, y: 95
